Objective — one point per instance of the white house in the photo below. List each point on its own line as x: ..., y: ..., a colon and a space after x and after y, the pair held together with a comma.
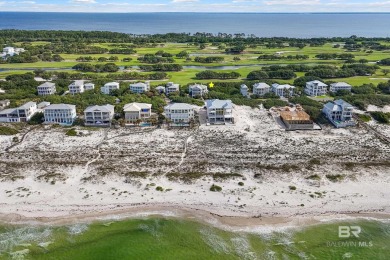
x: 4, y: 103
x: 140, y: 87
x: 244, y: 90
x: 339, y: 113
x: 160, y: 89
x: 108, y: 87
x: 283, y: 90
x: 19, y: 114
x: 180, y: 114
x: 47, y: 88
x: 219, y: 111
x: 260, y: 89
x: 315, y: 88
x: 76, y: 87
x: 197, y: 90
x: 99, y: 115
x: 137, y: 111
x: 63, y: 114
x: 172, y: 88
x: 11, y: 51
x: 89, y: 86
x: 334, y: 87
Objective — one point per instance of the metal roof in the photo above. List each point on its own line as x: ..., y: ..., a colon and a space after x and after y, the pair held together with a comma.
x: 47, y: 84
x: 104, y: 108
x: 60, y: 106
x: 216, y: 103
x: 179, y: 106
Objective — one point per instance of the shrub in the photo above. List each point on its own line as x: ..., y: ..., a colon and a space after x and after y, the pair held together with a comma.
x: 314, y: 177
x: 240, y: 183
x: 4, y: 130
x: 71, y: 132
x: 335, y: 177
x: 215, y: 188
x: 292, y: 187
x: 159, y: 188
x: 364, y: 118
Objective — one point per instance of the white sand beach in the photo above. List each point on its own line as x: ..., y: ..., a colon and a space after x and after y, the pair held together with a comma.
x: 284, y: 175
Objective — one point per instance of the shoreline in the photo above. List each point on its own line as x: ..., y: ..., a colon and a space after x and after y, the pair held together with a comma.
x: 246, y: 223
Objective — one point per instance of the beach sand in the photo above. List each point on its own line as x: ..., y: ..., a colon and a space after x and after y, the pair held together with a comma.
x: 289, y: 178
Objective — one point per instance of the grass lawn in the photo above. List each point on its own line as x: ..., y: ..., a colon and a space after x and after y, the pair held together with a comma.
x: 249, y: 57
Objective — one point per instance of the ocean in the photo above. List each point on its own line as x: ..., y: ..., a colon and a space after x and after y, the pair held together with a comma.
x: 298, y: 25
x: 175, y: 238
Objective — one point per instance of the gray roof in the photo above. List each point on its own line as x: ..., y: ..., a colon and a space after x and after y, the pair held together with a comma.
x: 5, y: 101
x: 319, y: 83
x: 216, y: 103
x: 7, y: 111
x: 261, y: 85
x: 340, y: 84
x: 332, y: 106
x: 78, y: 83
x: 28, y: 105
x: 104, y: 108
x: 171, y: 84
x: 60, y: 106
x: 179, y: 106
x: 243, y: 86
x: 198, y: 86
x: 341, y: 102
x: 139, y: 84
x: 287, y: 86
x: 111, y: 83
x: 47, y: 84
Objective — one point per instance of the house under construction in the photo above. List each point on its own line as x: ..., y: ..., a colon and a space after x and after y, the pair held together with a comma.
x: 296, y: 118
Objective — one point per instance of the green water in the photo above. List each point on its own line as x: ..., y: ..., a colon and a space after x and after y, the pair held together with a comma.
x: 161, y: 238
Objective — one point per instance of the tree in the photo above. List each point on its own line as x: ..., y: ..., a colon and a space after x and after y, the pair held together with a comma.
x: 385, y: 71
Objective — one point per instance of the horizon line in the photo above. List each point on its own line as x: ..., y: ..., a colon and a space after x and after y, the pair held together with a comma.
x: 200, y: 12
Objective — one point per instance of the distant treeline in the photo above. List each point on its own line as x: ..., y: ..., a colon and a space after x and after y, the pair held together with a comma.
x: 238, y: 39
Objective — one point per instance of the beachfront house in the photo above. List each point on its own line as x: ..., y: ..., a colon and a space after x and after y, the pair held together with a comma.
x: 219, y: 111
x: 283, y: 90
x: 4, y: 103
x: 315, y: 88
x: 18, y: 114
x: 260, y: 89
x: 137, y: 112
x: 140, y: 87
x: 244, y: 90
x: 99, y: 115
x: 179, y: 114
x: 89, y: 86
x: 334, y: 87
x: 339, y: 113
x: 47, y: 88
x: 108, y: 87
x: 63, y: 114
x: 160, y: 89
x: 172, y: 88
x: 296, y: 119
x: 76, y: 87
x: 197, y: 90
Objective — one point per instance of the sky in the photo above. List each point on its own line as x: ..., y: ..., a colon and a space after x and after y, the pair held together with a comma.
x: 196, y: 6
